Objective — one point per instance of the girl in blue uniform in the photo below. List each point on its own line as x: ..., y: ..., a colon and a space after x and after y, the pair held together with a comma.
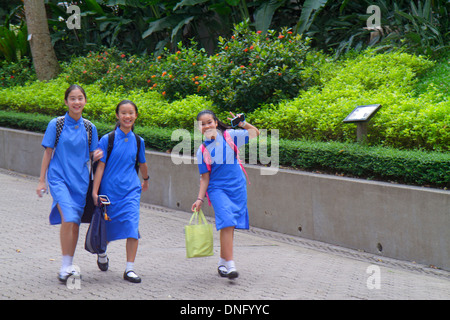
x: 225, y: 184
x: 66, y: 169
x: 119, y: 180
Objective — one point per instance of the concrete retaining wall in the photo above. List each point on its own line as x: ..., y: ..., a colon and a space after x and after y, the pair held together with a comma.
x: 397, y: 221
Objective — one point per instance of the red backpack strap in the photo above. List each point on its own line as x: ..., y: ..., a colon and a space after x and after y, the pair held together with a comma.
x: 206, y: 156
x: 233, y: 146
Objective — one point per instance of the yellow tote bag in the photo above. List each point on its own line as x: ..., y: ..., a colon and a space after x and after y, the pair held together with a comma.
x: 199, y: 237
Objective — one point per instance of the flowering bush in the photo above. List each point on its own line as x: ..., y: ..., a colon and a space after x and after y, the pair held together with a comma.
x: 111, y: 69
x: 16, y: 73
x: 253, y: 68
x: 178, y: 75
x: 249, y: 70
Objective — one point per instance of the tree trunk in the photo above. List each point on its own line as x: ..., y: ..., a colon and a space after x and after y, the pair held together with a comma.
x: 44, y: 58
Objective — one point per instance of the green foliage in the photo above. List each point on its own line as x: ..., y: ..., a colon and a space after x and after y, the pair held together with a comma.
x: 253, y: 68
x: 178, y: 75
x: 405, y: 120
x: 47, y: 98
x: 109, y: 69
x: 250, y: 69
x: 13, y: 42
x: 338, y: 26
x: 437, y: 77
x: 410, y: 167
x: 16, y: 73
x: 413, y: 116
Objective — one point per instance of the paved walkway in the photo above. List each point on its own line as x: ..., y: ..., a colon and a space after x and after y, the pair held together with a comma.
x: 272, y: 266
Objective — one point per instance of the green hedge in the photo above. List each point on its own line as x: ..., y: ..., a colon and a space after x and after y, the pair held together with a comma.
x: 409, y: 167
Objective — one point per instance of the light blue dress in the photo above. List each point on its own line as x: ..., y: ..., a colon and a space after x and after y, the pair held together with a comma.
x: 68, y: 171
x: 121, y: 184
x: 227, y: 187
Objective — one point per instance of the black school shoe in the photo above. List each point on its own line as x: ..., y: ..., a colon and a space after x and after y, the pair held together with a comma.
x: 65, y: 277
x: 103, y: 266
x: 223, y: 272
x: 132, y: 279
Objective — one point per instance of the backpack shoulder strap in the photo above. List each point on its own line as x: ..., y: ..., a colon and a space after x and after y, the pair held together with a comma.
x: 233, y: 146
x: 111, y: 137
x: 59, y: 128
x: 138, y: 144
x: 60, y: 125
x: 206, y: 156
x: 229, y: 140
x: 88, y: 127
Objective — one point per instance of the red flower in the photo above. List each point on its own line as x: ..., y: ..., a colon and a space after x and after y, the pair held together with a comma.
x: 259, y: 32
x: 122, y: 55
x: 280, y: 36
x: 245, y: 50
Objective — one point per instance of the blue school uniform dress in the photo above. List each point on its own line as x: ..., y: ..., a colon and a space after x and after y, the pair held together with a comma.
x: 68, y: 171
x: 227, y: 187
x: 121, y: 184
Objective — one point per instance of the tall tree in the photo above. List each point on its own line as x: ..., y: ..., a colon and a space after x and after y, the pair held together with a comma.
x: 44, y: 58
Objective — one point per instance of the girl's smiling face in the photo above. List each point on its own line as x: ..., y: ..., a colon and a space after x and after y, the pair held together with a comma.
x: 207, y: 126
x: 76, y: 102
x: 127, y: 116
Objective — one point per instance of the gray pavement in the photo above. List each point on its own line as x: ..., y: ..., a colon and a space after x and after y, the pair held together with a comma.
x: 272, y: 266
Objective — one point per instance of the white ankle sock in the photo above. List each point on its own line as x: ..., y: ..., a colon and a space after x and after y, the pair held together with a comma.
x: 222, y: 262
x: 130, y: 266
x: 230, y: 265
x: 102, y: 257
x: 67, y: 261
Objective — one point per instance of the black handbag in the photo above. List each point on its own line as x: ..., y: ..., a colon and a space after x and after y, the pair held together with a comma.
x: 96, y: 241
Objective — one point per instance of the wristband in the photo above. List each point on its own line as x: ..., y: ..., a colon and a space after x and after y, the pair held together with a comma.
x: 200, y: 199
x: 145, y: 179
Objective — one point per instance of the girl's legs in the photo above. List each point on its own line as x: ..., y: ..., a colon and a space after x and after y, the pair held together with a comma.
x: 226, y: 253
x: 131, y: 247
x: 226, y: 243
x: 69, y: 237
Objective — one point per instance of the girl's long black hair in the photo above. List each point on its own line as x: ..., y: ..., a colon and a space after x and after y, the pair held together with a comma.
x: 220, y: 125
x: 117, y: 111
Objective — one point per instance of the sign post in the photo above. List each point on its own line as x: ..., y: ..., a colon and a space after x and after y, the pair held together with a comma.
x: 361, y: 116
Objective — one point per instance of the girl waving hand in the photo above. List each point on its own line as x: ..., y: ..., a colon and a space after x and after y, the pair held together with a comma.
x: 223, y: 180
